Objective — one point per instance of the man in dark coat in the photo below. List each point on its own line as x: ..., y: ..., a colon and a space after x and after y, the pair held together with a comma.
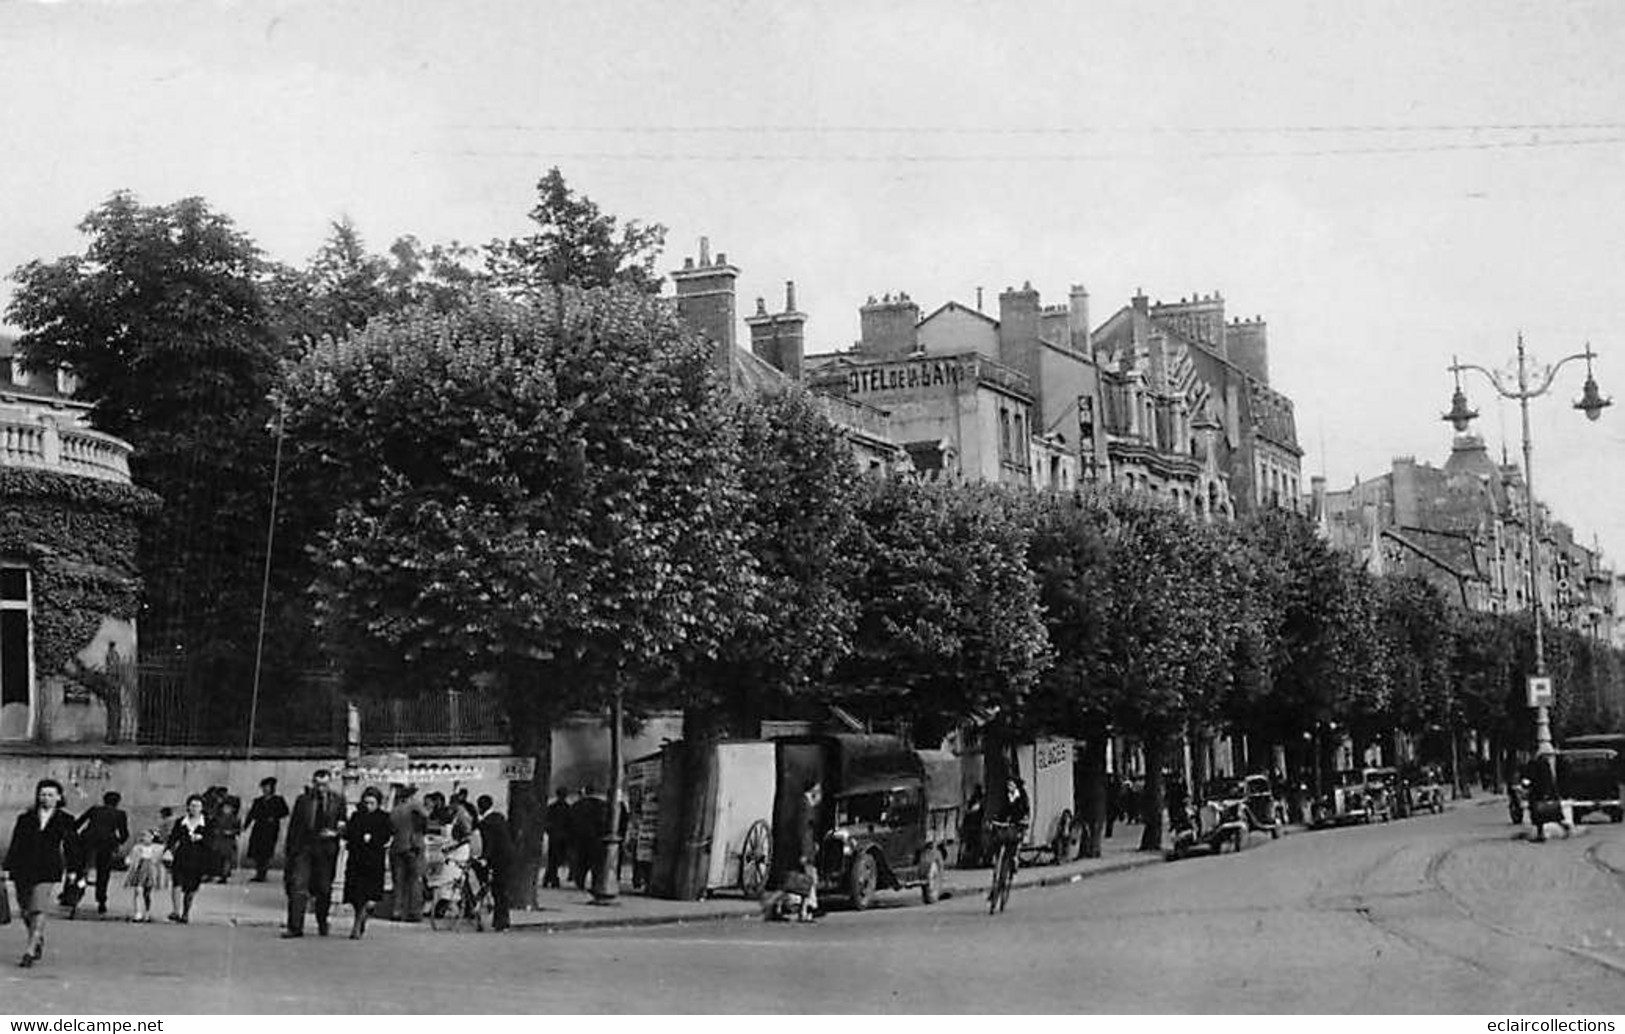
x: 102, y: 831
x: 312, y: 852
x: 265, y: 817
x: 557, y: 825
x: 587, y: 825
x: 44, y: 846
x: 497, y: 841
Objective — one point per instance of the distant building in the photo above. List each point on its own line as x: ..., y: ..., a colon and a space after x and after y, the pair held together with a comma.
x: 1218, y: 373
x: 704, y: 297
x: 1166, y: 400
x: 1469, y: 527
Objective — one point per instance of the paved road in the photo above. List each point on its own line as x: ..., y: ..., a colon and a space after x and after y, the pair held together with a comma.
x: 1447, y: 914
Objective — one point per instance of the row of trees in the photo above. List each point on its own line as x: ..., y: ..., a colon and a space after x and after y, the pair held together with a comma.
x: 527, y: 477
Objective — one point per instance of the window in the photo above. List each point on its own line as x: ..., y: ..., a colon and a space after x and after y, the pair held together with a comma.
x: 16, y: 666
x: 1004, y: 434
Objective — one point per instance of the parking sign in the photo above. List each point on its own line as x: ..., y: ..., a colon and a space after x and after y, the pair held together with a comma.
x: 1540, y: 690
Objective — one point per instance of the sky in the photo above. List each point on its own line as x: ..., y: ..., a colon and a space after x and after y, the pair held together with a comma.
x: 1389, y: 184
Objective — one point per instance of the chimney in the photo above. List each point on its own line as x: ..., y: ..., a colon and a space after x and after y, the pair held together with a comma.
x: 889, y: 326
x: 779, y: 338
x: 1077, y: 320
x: 1246, y: 344
x: 705, y: 301
x: 1141, y: 303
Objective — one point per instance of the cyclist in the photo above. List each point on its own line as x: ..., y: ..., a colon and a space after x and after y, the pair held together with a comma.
x: 1008, y: 829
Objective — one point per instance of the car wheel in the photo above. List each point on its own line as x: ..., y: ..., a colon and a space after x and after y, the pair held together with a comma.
x: 860, y: 882
x: 931, y: 889
x: 1615, y: 815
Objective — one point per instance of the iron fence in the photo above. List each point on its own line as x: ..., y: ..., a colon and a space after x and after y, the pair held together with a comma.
x: 175, y: 708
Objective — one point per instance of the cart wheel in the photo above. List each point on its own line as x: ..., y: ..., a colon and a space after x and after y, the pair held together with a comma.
x: 931, y: 889
x: 754, y: 858
x: 860, y: 882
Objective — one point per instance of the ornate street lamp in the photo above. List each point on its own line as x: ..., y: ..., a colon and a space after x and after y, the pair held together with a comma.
x: 1532, y: 382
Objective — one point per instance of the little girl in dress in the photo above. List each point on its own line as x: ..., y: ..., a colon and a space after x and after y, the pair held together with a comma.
x: 146, y: 873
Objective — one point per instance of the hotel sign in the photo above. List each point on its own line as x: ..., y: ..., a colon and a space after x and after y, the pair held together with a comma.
x: 909, y: 376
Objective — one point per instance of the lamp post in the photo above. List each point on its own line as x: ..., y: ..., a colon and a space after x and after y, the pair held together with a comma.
x: 1532, y: 382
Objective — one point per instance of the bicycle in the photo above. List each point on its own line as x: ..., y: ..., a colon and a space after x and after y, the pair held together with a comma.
x: 466, y: 899
x: 1007, y: 837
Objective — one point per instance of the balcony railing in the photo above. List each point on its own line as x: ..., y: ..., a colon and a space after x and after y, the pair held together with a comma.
x: 47, y: 440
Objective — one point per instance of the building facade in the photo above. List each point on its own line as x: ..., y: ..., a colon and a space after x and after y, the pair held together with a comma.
x: 69, y: 590
x: 1470, y: 528
x: 1218, y: 371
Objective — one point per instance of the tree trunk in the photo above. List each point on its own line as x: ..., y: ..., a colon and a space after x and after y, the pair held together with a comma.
x: 702, y: 728
x: 1155, y: 747
x: 1201, y: 771
x: 1089, y: 794
x: 527, y: 808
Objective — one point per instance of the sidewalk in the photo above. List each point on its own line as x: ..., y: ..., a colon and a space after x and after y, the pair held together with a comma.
x: 262, y: 905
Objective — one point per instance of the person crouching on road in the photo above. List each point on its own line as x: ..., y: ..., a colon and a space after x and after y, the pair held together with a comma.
x: 44, y: 846
x: 367, y: 835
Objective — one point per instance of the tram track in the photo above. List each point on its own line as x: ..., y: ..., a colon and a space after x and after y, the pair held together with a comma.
x: 1432, y: 874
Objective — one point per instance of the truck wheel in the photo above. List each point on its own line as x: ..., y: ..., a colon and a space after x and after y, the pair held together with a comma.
x: 931, y: 889
x: 860, y: 882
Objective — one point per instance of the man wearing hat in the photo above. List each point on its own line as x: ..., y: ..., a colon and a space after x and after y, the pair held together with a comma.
x: 265, y: 817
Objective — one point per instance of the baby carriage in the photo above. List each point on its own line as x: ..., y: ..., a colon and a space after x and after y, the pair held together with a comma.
x: 459, y: 893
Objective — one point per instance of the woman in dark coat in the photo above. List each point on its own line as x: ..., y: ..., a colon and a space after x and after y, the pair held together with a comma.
x: 265, y: 817
x: 44, y: 845
x: 367, y: 837
x: 191, y: 858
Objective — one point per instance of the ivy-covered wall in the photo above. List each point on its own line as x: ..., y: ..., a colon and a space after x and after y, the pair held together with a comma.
x: 77, y: 536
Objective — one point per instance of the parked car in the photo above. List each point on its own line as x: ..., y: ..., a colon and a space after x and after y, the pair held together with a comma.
x: 1425, y: 790
x: 1385, y: 794
x: 1220, y: 819
x: 1344, y: 803
x: 1265, y: 811
x: 1588, y: 781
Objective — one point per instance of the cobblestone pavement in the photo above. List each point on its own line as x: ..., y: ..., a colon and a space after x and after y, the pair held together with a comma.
x: 1435, y: 914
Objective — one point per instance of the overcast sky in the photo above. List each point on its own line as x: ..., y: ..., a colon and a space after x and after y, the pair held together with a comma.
x: 1388, y: 184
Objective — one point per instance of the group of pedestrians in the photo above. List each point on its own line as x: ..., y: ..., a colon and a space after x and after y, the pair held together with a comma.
x: 48, y: 845
x: 575, y: 836
x: 377, y: 841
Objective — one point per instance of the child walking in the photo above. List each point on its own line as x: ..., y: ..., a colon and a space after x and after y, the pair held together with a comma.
x: 146, y: 873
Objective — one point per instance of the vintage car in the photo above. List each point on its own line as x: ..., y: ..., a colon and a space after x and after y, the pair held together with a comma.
x: 892, y: 812
x: 1588, y: 780
x: 1265, y: 811
x: 1425, y: 790
x: 1343, y: 803
x: 1384, y: 794
x: 1220, y: 819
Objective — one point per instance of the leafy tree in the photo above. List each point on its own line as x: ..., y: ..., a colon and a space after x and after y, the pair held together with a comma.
x: 1167, y: 648
x: 1418, y: 628
x: 948, y: 624
x: 345, y: 286
x: 539, y: 494
x: 166, y: 321
x: 1067, y: 553
x: 798, y: 518
x: 575, y: 243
